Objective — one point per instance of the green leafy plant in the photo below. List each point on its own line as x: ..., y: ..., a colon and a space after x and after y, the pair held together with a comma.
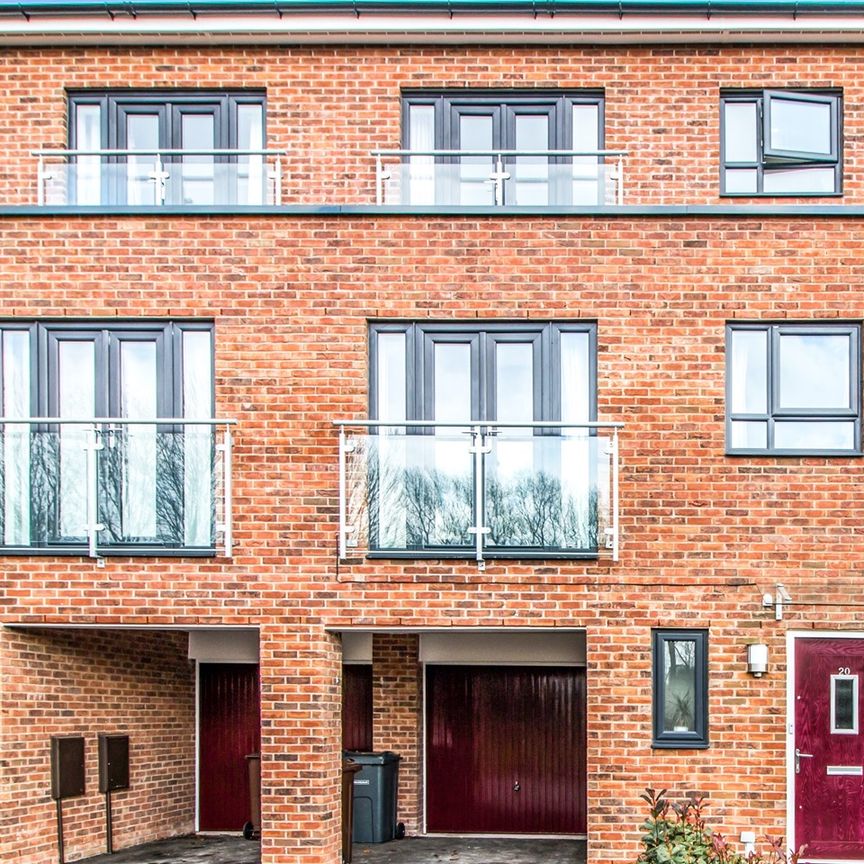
x: 676, y: 833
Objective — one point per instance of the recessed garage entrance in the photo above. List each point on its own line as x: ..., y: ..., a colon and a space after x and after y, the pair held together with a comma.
x: 505, y: 749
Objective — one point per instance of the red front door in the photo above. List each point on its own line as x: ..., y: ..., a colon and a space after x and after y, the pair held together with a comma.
x: 505, y: 750
x: 229, y: 728
x: 828, y: 749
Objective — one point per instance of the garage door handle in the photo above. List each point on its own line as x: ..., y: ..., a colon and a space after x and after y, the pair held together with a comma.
x: 798, y: 757
x: 517, y: 786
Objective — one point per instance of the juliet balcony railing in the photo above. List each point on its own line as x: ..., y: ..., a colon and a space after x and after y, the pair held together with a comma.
x: 535, y: 178
x: 102, y: 485
x: 138, y: 178
x: 428, y: 489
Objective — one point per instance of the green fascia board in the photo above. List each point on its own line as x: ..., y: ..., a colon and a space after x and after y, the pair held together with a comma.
x: 537, y: 7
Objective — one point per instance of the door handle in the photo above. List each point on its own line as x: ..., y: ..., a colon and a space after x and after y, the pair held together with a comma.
x: 798, y: 757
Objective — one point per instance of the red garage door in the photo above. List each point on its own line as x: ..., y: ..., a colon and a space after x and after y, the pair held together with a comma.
x: 505, y: 749
x: 357, y: 707
x: 229, y: 729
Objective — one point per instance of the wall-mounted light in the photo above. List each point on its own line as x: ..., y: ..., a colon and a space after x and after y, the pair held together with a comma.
x: 757, y: 659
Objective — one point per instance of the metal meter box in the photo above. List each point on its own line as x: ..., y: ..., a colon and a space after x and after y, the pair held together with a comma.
x: 113, y: 762
x: 67, y: 766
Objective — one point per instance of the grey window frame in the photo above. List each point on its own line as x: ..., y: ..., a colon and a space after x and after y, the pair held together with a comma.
x: 662, y: 739
x: 43, y: 392
x: 421, y: 336
x: 504, y: 106
x: 775, y: 330
x: 169, y: 105
x: 768, y: 159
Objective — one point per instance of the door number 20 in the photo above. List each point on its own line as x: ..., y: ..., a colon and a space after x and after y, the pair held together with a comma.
x: 843, y: 670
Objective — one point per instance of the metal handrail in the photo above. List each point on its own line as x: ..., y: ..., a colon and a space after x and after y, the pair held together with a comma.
x: 159, y: 151
x: 145, y: 421
x: 486, y: 424
x: 499, y: 153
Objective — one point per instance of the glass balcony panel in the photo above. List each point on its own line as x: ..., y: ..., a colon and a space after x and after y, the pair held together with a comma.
x: 547, y: 493
x: 157, y: 487
x: 533, y: 180
x: 410, y: 492
x: 137, y: 181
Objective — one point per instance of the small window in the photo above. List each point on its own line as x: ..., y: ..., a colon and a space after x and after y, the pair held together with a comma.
x: 793, y: 388
x: 780, y: 142
x: 680, y: 688
x: 844, y: 704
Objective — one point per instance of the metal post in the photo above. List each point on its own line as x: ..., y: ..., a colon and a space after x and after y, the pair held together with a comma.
x: 620, y: 182
x: 615, y: 511
x: 109, y: 830
x: 228, y: 491
x: 60, y: 847
x: 277, y: 181
x: 379, y: 180
x: 92, y: 447
x: 343, y: 495
x: 40, y: 181
x: 478, y: 449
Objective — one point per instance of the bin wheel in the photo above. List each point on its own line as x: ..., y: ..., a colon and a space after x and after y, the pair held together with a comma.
x: 248, y: 831
x: 400, y: 831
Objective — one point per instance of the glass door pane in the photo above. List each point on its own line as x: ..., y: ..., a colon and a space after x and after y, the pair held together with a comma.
x: 76, y: 398
x: 198, y: 132
x: 88, y: 169
x: 517, y: 491
x: 251, y: 175
x: 198, y: 441
x: 476, y: 132
x: 588, y: 186
x: 421, y: 169
x: 15, y: 454
x: 137, y: 471
x: 143, y: 184
x: 530, y: 174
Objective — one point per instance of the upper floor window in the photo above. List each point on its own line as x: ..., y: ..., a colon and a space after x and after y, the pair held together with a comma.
x: 179, y: 135
x: 780, y: 142
x: 491, y: 463
x: 793, y: 388
x: 125, y: 481
x: 507, y: 138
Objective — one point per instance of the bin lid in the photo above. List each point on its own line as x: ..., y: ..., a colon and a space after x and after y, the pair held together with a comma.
x: 382, y: 758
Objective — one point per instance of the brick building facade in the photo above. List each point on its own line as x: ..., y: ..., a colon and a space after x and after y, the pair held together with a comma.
x: 112, y: 602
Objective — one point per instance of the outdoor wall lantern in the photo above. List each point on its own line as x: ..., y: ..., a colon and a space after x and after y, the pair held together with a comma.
x: 757, y: 659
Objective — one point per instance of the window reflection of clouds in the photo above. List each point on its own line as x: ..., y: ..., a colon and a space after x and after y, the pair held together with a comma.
x: 814, y: 371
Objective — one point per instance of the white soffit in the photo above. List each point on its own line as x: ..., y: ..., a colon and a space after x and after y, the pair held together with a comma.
x: 426, y: 28
x: 356, y: 647
x: 534, y: 649
x: 224, y: 646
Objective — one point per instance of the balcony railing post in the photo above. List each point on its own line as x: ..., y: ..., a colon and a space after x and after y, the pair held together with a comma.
x: 620, y: 190
x: 615, y: 528
x: 41, y: 177
x: 343, y: 495
x: 227, y: 491
x: 277, y: 181
x: 479, y: 449
x: 92, y: 446
x: 379, y: 180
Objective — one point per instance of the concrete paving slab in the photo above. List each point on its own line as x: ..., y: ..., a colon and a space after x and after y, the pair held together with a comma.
x: 194, y: 849
x: 471, y: 850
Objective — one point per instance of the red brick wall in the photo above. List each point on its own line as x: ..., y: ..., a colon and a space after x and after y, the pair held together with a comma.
x: 330, y: 106
x: 83, y: 682
x: 397, y: 716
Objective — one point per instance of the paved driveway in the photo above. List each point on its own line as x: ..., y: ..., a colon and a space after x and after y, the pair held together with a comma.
x: 475, y: 850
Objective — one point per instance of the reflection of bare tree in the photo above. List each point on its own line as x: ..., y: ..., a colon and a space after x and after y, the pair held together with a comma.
x: 410, y: 505
x: 532, y: 511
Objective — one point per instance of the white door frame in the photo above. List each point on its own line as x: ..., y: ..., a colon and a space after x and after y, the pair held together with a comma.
x: 791, y: 636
